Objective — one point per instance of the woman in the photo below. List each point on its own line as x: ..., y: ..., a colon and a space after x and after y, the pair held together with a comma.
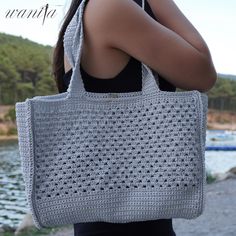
x: 119, y: 35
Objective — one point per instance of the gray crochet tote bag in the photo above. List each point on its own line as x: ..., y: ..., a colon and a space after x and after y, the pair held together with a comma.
x: 112, y: 157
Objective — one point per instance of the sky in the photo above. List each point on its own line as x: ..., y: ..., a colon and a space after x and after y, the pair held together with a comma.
x: 214, y: 19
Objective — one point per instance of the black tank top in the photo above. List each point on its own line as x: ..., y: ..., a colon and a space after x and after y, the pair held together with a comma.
x: 129, y: 79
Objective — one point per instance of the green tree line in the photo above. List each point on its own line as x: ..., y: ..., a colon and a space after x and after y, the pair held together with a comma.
x: 25, y: 72
x: 223, y: 95
x: 25, y: 69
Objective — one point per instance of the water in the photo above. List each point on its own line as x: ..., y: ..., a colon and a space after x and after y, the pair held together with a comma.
x: 13, y: 205
x: 12, y: 197
x: 220, y: 161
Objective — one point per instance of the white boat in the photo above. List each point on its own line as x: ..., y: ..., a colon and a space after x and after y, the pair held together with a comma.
x: 222, y: 137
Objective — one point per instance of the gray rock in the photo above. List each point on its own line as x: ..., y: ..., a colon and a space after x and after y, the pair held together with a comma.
x: 227, y: 175
x: 6, y: 228
x: 26, y: 223
x: 233, y: 170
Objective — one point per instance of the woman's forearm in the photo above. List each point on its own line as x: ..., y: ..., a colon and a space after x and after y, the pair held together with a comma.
x: 169, y: 15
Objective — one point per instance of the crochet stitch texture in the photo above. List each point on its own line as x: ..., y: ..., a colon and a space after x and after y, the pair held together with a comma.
x: 112, y: 157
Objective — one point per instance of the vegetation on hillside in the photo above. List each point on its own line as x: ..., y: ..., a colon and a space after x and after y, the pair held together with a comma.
x: 25, y: 69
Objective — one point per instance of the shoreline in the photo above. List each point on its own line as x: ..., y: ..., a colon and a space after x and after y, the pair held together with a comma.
x: 8, y: 137
x: 219, y: 126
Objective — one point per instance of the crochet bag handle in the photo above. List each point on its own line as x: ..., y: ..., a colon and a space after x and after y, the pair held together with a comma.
x: 73, y: 41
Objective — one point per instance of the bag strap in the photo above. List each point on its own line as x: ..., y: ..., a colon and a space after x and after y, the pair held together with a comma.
x: 143, y: 4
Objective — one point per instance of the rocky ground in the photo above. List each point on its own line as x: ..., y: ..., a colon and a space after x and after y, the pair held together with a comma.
x: 222, y: 120
x: 219, y: 217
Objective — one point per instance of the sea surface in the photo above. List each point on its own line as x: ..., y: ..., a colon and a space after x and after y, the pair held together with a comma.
x: 13, y: 204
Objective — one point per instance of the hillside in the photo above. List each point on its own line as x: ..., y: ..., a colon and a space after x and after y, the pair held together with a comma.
x: 227, y: 76
x: 25, y: 69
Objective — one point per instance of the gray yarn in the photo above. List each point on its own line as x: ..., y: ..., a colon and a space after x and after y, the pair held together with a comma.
x: 112, y: 157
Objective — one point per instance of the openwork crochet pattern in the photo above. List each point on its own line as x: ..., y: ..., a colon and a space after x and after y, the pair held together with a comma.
x: 112, y: 157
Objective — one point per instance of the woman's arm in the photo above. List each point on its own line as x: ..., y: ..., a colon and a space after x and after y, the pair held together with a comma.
x: 169, y: 15
x: 123, y: 25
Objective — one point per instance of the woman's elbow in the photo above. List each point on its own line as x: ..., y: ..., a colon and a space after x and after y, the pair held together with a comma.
x: 209, y: 79
x: 203, y: 78
x: 206, y: 69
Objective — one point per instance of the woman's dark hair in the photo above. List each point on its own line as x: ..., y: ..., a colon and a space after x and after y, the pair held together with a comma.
x: 58, y: 70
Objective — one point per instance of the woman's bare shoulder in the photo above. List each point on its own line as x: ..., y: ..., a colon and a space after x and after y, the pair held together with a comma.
x: 100, y: 14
